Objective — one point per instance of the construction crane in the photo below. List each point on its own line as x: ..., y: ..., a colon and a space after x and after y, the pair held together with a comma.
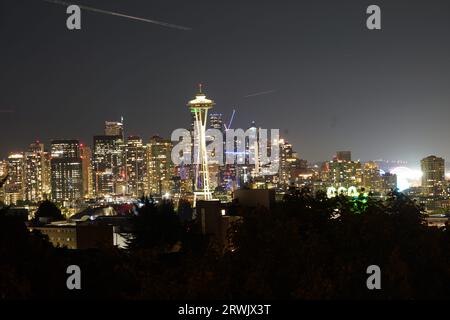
x: 231, y: 121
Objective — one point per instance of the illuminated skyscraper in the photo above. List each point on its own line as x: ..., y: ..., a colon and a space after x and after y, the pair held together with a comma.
x: 290, y: 166
x: 3, y: 168
x: 215, y: 170
x: 66, y: 171
x: 47, y: 175
x: 344, y: 173
x: 433, y: 175
x: 215, y: 121
x: 344, y: 155
x: 3, y: 172
x: 86, y: 158
x: 136, y: 167
x: 108, y: 164
x: 114, y: 128
x: 159, y: 166
x: 372, y: 180
x: 286, y: 156
x: 15, y: 184
x: 252, y: 150
x: 199, y: 108
x: 389, y: 182
x: 36, y: 168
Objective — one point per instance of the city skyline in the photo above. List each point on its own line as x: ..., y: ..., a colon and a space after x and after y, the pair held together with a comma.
x: 91, y: 142
x: 326, y: 90
x: 217, y: 158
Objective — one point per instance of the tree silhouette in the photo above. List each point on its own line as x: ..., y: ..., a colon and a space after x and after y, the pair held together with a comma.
x: 48, y: 209
x: 184, y: 210
x: 305, y: 247
x: 156, y: 226
x: 312, y: 247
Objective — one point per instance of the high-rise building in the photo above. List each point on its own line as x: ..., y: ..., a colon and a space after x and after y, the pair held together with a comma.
x: 344, y: 173
x: 214, y: 168
x: 159, y: 166
x: 290, y: 166
x: 114, y: 128
x: 228, y: 177
x: 3, y: 173
x: 372, y: 180
x: 286, y: 158
x: 136, y: 167
x: 389, y: 182
x: 66, y: 171
x: 183, y: 180
x: 219, y: 175
x: 252, y: 154
x: 344, y: 155
x: 215, y: 121
x: 47, y: 175
x: 3, y: 168
x: 36, y: 169
x: 433, y: 175
x: 108, y: 164
x: 15, y: 184
x: 86, y: 160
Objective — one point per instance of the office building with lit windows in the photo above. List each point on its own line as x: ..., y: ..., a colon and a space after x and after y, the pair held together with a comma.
x: 3, y: 168
x: 36, y: 169
x: 86, y: 160
x: 389, y: 182
x: 290, y: 166
x: 136, y: 167
x: 344, y: 173
x: 108, y: 164
x: 3, y: 172
x: 15, y: 184
x: 344, y: 156
x: 433, y: 175
x: 114, y: 128
x: 216, y: 121
x: 66, y: 171
x: 159, y: 166
x: 372, y: 180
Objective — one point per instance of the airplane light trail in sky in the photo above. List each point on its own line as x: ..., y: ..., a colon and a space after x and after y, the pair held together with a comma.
x: 259, y: 93
x: 117, y: 14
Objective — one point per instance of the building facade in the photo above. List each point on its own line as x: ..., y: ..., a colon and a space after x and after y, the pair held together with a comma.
x: 136, y: 171
x: 433, y: 175
x: 108, y: 165
x: 15, y: 184
x: 66, y: 171
x: 37, y: 184
x: 159, y: 166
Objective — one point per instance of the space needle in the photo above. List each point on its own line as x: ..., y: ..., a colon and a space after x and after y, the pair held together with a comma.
x: 199, y: 108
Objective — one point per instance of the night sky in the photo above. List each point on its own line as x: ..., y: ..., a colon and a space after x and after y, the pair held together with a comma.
x: 333, y: 84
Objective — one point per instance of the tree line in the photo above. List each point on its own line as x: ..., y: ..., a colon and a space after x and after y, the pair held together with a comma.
x: 306, y: 247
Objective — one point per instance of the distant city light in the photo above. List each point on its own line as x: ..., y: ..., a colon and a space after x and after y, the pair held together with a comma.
x: 406, y: 177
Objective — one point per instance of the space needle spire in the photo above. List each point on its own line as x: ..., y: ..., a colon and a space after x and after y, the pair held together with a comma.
x: 199, y: 107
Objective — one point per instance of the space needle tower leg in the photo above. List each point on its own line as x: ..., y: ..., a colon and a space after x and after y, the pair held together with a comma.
x: 199, y: 107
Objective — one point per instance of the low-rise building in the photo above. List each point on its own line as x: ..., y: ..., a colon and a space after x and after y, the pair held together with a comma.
x: 77, y: 235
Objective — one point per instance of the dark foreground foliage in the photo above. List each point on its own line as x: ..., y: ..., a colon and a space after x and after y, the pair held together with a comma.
x: 307, y: 247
